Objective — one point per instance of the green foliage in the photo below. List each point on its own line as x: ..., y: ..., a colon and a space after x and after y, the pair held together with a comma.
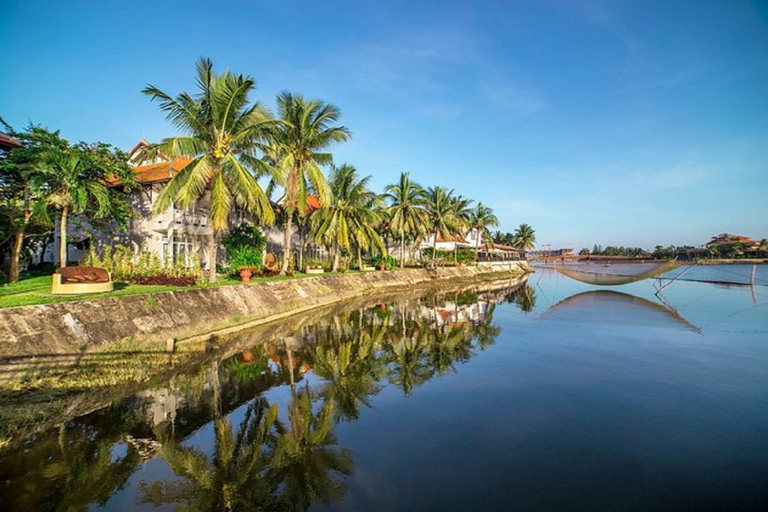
x: 120, y: 261
x: 462, y: 256
x: 243, y: 256
x: 244, y: 235
x: 388, y: 261
x: 244, y: 245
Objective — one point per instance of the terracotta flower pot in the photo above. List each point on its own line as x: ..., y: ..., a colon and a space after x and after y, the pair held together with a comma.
x: 245, y: 275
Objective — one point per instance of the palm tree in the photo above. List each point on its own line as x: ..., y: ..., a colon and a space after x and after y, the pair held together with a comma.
x: 441, y: 217
x: 406, y: 210
x: 71, y: 179
x: 306, y: 128
x: 481, y: 219
x: 463, y: 214
x: 223, y: 132
x: 351, y: 216
x: 525, y: 238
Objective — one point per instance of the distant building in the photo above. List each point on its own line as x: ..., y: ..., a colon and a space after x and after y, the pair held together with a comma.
x: 728, y: 238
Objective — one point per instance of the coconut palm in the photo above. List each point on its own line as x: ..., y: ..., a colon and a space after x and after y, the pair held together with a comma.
x: 223, y: 132
x: 306, y: 128
x: 351, y: 215
x: 481, y: 219
x: 463, y: 213
x: 525, y: 238
x: 406, y: 210
x: 441, y: 218
x: 71, y: 179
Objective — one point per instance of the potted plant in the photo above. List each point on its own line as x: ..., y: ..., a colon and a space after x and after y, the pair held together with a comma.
x: 244, y: 245
x: 246, y: 272
x: 245, y: 261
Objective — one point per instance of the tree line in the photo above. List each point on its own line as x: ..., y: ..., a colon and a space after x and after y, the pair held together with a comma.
x: 233, y: 146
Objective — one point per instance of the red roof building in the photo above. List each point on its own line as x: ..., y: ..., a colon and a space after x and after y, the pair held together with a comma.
x: 7, y: 142
x: 728, y: 238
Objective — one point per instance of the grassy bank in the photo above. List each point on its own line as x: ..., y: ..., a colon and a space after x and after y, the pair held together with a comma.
x: 35, y: 290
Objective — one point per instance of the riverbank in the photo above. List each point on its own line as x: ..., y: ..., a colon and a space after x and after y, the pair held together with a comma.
x: 45, y: 391
x: 148, y: 321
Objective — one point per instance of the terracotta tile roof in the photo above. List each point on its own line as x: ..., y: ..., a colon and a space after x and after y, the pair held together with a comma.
x: 8, y: 142
x: 312, y: 201
x: 163, y: 171
x: 728, y: 238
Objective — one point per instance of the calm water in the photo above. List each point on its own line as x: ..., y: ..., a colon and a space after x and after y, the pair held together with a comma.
x: 557, y: 396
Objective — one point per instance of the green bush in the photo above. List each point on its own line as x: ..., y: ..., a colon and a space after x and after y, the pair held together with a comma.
x: 243, y: 256
x: 388, y: 261
x: 120, y: 261
x: 463, y: 255
x: 244, y: 246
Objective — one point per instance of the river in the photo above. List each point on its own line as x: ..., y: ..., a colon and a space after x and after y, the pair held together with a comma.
x: 553, y: 396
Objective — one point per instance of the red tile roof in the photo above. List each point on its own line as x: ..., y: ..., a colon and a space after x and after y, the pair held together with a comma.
x: 728, y: 238
x: 312, y: 201
x: 163, y: 171
x: 8, y: 142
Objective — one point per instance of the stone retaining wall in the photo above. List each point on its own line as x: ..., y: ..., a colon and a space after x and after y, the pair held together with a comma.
x: 72, y: 327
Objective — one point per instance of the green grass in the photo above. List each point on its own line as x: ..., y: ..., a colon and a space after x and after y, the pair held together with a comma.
x: 34, y: 290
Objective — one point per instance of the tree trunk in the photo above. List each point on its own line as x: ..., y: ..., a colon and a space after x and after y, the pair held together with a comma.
x: 402, y: 250
x: 63, y: 237
x: 301, y: 248
x: 359, y: 258
x: 434, y: 248
x: 212, y: 253
x: 286, y: 245
x: 44, y: 249
x: 336, y: 254
x: 18, y: 241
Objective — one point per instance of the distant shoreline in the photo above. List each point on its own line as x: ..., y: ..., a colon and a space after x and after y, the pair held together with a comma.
x: 733, y: 261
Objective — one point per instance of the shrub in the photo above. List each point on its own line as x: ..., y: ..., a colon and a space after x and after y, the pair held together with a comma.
x: 124, y: 266
x: 166, y: 280
x: 388, y: 261
x: 244, y: 246
x: 462, y: 255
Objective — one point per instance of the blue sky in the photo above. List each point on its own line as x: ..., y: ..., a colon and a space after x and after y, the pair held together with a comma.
x: 616, y: 123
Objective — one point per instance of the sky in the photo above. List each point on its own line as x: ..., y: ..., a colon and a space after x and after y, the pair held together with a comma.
x: 630, y: 123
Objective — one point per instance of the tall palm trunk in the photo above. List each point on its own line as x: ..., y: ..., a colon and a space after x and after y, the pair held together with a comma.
x: 302, y: 241
x: 434, y: 248
x: 359, y: 258
x: 212, y: 256
x: 18, y: 241
x: 286, y: 245
x: 402, y: 250
x: 63, y: 237
x: 336, y: 254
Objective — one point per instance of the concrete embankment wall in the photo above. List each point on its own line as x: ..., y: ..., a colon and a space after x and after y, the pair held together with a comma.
x: 72, y: 327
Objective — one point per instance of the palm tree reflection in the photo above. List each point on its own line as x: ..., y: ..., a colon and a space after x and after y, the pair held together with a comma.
x: 291, y: 461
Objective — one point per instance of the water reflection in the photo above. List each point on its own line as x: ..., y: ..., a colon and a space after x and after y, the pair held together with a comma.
x: 608, y: 306
x: 222, y: 439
